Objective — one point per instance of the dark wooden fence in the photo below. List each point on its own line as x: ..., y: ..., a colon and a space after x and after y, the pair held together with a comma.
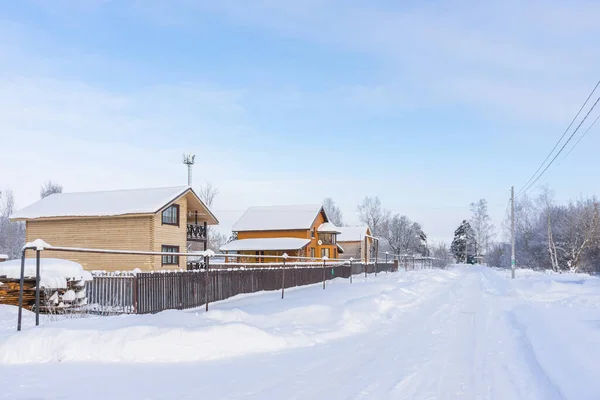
x: 154, y: 292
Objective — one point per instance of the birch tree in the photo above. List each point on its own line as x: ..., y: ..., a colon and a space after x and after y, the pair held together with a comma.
x: 482, y: 227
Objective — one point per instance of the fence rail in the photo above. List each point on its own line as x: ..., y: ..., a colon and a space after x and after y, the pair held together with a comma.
x: 146, y: 293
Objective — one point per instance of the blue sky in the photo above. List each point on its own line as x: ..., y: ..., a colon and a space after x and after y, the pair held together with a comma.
x: 428, y: 105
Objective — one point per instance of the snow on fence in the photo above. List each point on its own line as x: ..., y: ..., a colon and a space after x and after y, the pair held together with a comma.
x: 144, y: 293
x: 111, y: 294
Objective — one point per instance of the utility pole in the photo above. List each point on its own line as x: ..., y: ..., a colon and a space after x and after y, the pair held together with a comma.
x: 512, y: 232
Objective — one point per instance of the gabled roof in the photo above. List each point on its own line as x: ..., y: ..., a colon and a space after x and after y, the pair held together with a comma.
x: 265, y: 244
x: 278, y: 218
x: 352, y: 233
x: 106, y: 203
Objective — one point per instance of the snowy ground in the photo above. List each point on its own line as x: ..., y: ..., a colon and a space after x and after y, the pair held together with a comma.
x: 467, y: 333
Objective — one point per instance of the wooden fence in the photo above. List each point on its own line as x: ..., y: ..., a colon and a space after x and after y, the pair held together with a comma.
x: 145, y: 293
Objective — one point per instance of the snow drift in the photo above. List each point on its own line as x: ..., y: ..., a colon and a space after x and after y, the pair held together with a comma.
x: 238, y: 326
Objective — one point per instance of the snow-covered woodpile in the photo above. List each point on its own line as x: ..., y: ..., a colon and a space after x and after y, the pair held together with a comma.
x: 62, y: 284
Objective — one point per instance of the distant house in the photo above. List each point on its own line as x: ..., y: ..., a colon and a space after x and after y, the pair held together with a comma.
x: 160, y: 219
x: 298, y: 230
x: 356, y: 241
x: 3, y: 257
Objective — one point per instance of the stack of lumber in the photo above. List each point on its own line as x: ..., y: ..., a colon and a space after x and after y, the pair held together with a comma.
x: 9, y: 292
x: 51, y: 299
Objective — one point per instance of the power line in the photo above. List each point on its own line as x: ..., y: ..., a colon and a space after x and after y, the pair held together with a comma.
x: 562, y: 148
x: 561, y: 138
x: 579, y: 140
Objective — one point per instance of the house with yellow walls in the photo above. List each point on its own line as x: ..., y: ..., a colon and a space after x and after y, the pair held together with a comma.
x: 157, y: 219
x: 297, y: 230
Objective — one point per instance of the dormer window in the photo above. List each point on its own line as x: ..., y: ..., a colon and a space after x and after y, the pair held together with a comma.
x: 170, y: 216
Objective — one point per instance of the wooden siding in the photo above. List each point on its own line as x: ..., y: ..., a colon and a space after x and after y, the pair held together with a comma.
x: 352, y: 249
x: 170, y: 235
x: 117, y: 233
x: 302, y: 234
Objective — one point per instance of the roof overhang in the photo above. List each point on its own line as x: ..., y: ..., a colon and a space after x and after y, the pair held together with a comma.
x: 195, y: 203
x: 266, y: 244
x: 328, y: 227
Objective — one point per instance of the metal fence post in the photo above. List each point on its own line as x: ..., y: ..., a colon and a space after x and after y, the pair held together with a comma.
x: 37, y: 287
x: 285, y: 256
x: 21, y: 283
x: 206, y: 289
x: 386, y: 261
x: 351, y: 259
x: 324, y: 270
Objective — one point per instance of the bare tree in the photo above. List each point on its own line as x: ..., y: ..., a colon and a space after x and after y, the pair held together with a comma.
x: 12, y: 234
x: 482, y: 227
x: 400, y: 233
x: 49, y: 188
x: 207, y: 194
x: 216, y: 240
x: 333, y: 211
x: 550, y: 235
x: 373, y: 215
x: 442, y: 256
x: 577, y: 229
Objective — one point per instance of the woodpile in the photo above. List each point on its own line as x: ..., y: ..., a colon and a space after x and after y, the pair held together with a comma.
x: 51, y: 299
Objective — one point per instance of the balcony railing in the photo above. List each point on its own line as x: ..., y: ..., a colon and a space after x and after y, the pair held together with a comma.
x: 196, y: 233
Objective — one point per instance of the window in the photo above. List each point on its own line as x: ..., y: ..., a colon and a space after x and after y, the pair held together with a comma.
x: 170, y: 260
x: 312, y: 233
x: 327, y: 238
x: 324, y: 253
x: 312, y: 252
x: 170, y: 216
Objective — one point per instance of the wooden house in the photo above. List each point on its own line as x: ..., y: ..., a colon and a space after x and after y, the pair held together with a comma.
x: 356, y: 241
x: 297, y: 230
x: 159, y: 219
x: 3, y: 257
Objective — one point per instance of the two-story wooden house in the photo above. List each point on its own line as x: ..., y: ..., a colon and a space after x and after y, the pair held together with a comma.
x: 297, y: 230
x: 160, y: 219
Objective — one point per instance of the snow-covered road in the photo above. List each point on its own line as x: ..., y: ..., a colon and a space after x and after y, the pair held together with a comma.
x: 468, y: 333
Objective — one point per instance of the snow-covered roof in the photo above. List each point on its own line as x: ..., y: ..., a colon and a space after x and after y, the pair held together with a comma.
x: 3, y: 257
x: 340, y: 248
x: 265, y: 244
x: 275, y: 218
x: 54, y: 272
x: 351, y: 233
x: 106, y: 203
x: 328, y: 227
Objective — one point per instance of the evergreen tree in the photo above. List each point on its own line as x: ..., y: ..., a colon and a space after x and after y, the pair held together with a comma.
x: 464, y: 237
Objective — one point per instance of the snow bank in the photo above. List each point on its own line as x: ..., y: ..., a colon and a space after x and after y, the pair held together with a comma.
x: 54, y: 272
x: 257, y: 323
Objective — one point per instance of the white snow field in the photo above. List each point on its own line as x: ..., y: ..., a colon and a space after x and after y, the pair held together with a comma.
x: 463, y: 333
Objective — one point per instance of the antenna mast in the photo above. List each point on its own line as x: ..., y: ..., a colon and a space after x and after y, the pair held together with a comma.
x: 188, y: 159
